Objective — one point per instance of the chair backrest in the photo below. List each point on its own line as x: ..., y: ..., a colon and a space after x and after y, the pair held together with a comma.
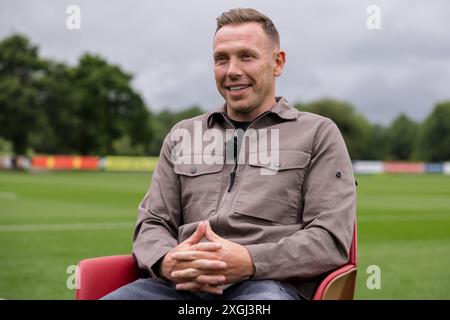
x: 97, y: 277
x: 353, y: 248
x: 340, y: 284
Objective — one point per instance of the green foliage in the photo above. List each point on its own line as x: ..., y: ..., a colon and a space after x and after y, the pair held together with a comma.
x: 19, y: 58
x: 354, y: 127
x: 165, y: 120
x: 20, y: 69
x: 401, y: 137
x: 434, y: 142
x: 124, y: 146
x: 53, y: 108
x: 6, y: 147
x: 376, y: 147
x: 91, y: 108
x: 59, y: 110
x: 108, y: 108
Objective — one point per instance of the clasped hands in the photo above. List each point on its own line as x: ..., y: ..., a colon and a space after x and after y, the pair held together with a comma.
x: 205, y: 266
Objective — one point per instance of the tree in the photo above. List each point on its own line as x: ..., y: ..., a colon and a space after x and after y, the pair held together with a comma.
x: 401, y: 138
x: 354, y: 127
x: 52, y: 108
x: 165, y: 120
x: 108, y: 108
x: 376, y: 145
x: 434, y: 141
x: 20, y: 69
x: 6, y: 147
x: 57, y: 102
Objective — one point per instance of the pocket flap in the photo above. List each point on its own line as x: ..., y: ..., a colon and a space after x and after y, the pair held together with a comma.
x: 272, y: 210
x: 288, y: 159
x: 193, y: 170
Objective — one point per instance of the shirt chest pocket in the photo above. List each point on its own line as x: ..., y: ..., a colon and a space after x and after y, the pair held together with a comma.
x: 200, y: 188
x: 273, y: 191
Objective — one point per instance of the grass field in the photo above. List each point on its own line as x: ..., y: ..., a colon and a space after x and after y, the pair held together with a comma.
x: 49, y: 221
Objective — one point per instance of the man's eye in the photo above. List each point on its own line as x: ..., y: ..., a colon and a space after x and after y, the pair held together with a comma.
x: 247, y: 56
x: 220, y: 59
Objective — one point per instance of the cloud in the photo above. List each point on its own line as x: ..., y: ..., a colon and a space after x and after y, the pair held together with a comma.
x: 167, y: 45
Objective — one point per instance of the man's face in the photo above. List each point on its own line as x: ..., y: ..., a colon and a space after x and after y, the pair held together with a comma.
x: 246, y: 63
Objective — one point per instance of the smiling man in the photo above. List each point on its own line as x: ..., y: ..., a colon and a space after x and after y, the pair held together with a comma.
x: 247, y: 59
x: 221, y: 230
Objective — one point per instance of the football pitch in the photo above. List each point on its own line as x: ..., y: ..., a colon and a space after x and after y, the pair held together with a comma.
x: 50, y: 221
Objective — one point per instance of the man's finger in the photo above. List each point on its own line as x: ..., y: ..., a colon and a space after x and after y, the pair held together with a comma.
x: 195, y: 287
x: 206, y: 264
x: 198, y: 233
x: 207, y: 246
x: 210, y: 280
x: 194, y: 255
x: 199, y: 267
x: 186, y: 274
x: 211, y: 289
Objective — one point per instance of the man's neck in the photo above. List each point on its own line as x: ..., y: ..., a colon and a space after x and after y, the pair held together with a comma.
x: 252, y: 115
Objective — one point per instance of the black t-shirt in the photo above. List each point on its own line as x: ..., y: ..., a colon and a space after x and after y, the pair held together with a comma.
x: 240, y: 124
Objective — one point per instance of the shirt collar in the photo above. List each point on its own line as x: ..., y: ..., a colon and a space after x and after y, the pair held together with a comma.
x: 282, y: 109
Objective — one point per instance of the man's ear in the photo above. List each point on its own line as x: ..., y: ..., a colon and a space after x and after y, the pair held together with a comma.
x: 280, y: 60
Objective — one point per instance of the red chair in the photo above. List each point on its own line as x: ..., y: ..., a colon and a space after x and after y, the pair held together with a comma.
x: 340, y: 283
x: 97, y: 277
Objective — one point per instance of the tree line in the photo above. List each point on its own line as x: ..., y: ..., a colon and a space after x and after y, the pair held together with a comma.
x: 49, y: 107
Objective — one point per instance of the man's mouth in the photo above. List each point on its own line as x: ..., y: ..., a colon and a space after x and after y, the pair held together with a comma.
x: 238, y: 88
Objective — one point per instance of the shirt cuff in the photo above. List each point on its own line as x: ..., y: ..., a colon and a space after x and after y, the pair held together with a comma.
x: 261, y: 263
x: 153, y: 262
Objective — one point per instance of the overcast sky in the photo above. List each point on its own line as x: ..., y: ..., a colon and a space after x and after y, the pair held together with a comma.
x: 167, y: 45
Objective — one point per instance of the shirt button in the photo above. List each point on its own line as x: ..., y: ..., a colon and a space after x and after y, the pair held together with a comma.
x: 193, y: 170
x: 338, y: 174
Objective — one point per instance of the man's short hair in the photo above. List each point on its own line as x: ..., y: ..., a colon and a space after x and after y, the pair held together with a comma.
x: 241, y: 15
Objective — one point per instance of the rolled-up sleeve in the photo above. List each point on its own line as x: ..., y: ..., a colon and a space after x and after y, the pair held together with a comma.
x: 329, y: 200
x: 159, y: 214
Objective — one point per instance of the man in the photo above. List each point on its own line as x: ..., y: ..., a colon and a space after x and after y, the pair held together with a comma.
x: 215, y: 230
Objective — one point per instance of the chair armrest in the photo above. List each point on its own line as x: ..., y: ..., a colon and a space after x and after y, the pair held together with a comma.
x: 338, y: 285
x: 97, y: 277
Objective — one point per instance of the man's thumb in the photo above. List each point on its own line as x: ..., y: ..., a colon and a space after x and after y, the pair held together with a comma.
x: 198, y: 233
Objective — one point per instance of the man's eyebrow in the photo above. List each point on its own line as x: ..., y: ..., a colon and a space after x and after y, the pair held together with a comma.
x: 251, y: 50
x: 219, y: 53
x: 239, y: 51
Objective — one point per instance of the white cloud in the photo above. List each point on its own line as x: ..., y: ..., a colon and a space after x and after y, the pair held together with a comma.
x: 167, y: 45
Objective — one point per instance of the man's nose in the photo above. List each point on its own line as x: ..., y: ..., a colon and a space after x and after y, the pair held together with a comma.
x: 234, y: 69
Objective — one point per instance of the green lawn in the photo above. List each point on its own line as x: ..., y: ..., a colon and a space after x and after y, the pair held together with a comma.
x: 403, y: 227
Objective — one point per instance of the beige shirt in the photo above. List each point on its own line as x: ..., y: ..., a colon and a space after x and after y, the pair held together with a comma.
x: 295, y: 218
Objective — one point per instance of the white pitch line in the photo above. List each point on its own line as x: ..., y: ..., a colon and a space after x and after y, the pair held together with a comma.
x: 8, y: 195
x: 65, y: 227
